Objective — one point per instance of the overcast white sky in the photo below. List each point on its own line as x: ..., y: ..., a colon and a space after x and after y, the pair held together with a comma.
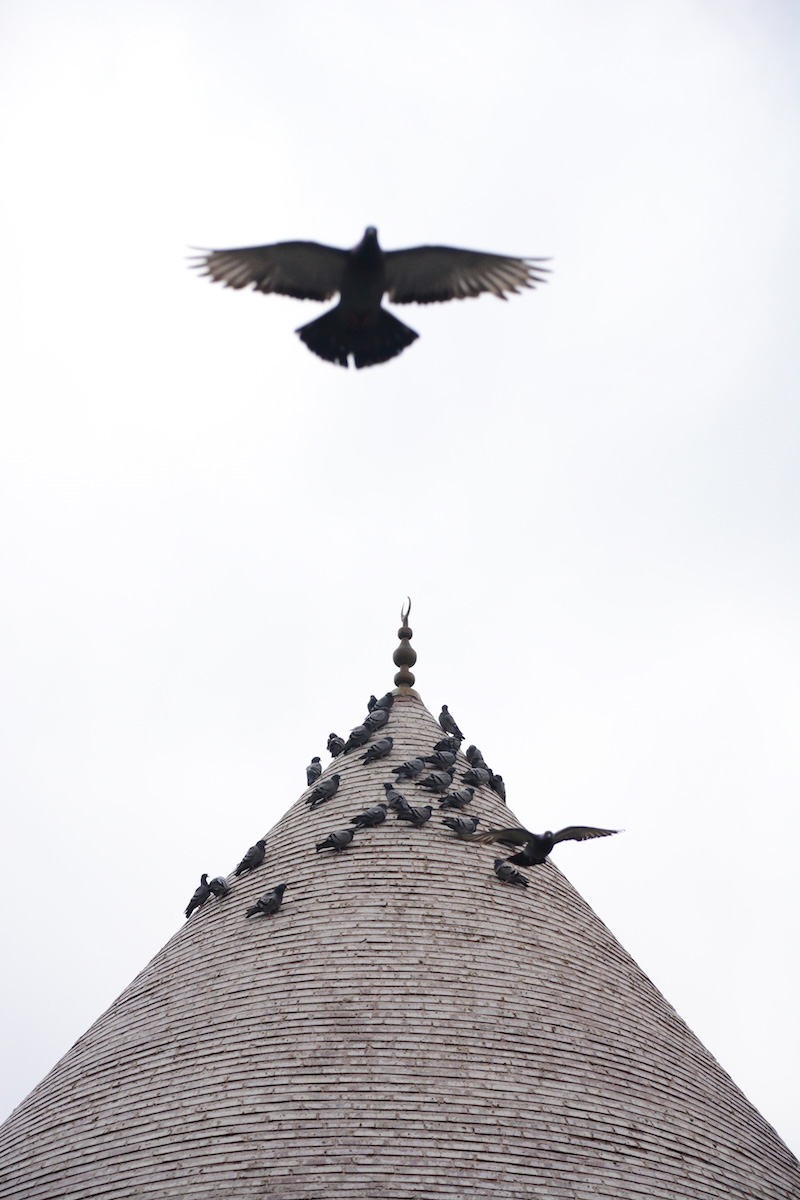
x: 588, y: 492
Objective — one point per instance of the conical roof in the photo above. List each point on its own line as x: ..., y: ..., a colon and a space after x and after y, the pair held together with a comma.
x: 406, y: 1026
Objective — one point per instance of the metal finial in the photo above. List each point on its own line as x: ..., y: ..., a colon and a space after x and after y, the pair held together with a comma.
x: 404, y: 657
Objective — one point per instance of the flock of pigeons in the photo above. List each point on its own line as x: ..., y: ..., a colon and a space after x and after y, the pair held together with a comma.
x: 435, y: 772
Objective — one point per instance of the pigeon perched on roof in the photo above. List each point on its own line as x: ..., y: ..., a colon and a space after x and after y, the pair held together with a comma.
x: 253, y: 858
x: 458, y: 798
x: 377, y: 718
x: 219, y: 886
x: 270, y: 903
x: 313, y: 770
x: 359, y: 736
x: 461, y: 826
x: 358, y: 326
x: 474, y: 757
x: 477, y: 775
x: 338, y: 841
x: 442, y: 759
x: 410, y: 769
x: 537, y: 846
x: 497, y: 785
x: 323, y: 791
x: 200, y: 896
x: 508, y: 875
x: 415, y: 816
x: 385, y: 701
x: 335, y: 745
x: 393, y: 798
x: 373, y: 700
x: 373, y: 816
x: 378, y: 750
x: 449, y: 743
x: 448, y: 724
x: 437, y: 781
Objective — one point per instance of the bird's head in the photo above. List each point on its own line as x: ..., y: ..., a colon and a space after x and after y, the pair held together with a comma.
x: 370, y: 234
x: 204, y: 878
x: 261, y: 842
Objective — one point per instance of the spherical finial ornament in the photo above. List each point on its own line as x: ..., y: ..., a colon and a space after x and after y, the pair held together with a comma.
x: 404, y: 657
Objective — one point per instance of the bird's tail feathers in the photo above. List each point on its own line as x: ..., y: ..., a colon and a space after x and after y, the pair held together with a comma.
x: 370, y: 340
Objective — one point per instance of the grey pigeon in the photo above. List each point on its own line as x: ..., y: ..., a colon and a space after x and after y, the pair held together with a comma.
x: 385, y: 701
x: 415, y: 816
x: 394, y: 799
x: 373, y: 700
x: 253, y: 858
x: 219, y: 886
x: 270, y: 903
x: 461, y: 826
x: 200, y: 896
x: 313, y: 770
x: 497, y: 785
x: 410, y: 769
x: 508, y: 875
x: 376, y: 719
x: 537, y: 846
x: 358, y: 737
x: 378, y: 750
x: 373, y: 816
x: 448, y: 724
x: 437, y: 781
x: 458, y: 798
x: 335, y: 745
x: 448, y: 743
x: 474, y: 757
x: 442, y: 759
x: 477, y: 775
x: 323, y: 791
x: 359, y: 326
x: 337, y: 841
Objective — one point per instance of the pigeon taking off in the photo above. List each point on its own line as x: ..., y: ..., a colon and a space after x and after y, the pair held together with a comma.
x: 461, y: 826
x: 358, y: 325
x: 373, y: 816
x: 219, y: 886
x: 458, y: 798
x: 313, y: 770
x: 200, y: 896
x: 537, y: 846
x: 270, y: 903
x: 508, y: 875
x: 335, y: 745
x: 410, y: 769
x: 415, y: 816
x: 448, y: 724
x: 337, y: 841
x: 323, y: 791
x: 253, y: 858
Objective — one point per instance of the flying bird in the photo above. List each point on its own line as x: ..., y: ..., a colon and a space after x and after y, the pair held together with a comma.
x: 448, y: 724
x: 219, y: 886
x: 508, y: 875
x: 373, y: 816
x: 335, y: 745
x: 338, y: 841
x: 359, y: 326
x: 461, y: 826
x: 253, y: 858
x: 379, y: 749
x: 537, y: 846
x: 270, y: 903
x: 313, y: 770
x: 323, y: 791
x: 200, y: 896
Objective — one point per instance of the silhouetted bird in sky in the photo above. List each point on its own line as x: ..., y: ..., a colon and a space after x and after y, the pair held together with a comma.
x: 270, y: 903
x: 358, y: 326
x: 253, y: 858
x: 200, y: 896
x: 537, y: 846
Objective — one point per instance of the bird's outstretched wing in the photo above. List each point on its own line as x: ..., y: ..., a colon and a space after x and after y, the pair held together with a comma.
x: 427, y: 274
x: 512, y: 837
x: 305, y: 270
x: 581, y: 833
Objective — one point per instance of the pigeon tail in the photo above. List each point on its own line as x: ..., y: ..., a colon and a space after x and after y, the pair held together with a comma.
x: 372, y: 338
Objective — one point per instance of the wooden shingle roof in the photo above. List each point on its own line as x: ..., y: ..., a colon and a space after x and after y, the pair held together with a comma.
x: 407, y: 1026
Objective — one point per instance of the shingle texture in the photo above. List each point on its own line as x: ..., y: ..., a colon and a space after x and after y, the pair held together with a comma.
x: 406, y: 1026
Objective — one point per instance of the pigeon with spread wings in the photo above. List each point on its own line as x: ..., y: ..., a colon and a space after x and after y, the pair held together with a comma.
x: 359, y: 326
x: 537, y: 846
